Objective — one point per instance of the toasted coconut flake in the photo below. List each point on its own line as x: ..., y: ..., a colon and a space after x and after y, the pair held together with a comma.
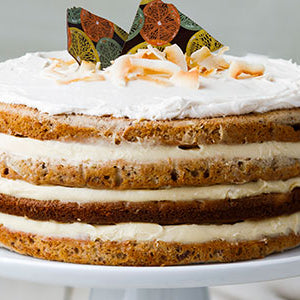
x: 175, y: 55
x: 66, y: 72
x: 189, y: 61
x: 206, y: 73
x: 188, y: 79
x: 87, y: 66
x: 156, y: 53
x: 87, y: 71
x: 155, y: 79
x: 97, y: 77
x: 119, y: 70
x: 155, y: 66
x: 208, y: 61
x: 223, y: 50
x: 200, y: 55
x: 238, y: 68
x: 141, y: 53
x: 150, y: 53
x: 60, y: 63
x: 134, y: 72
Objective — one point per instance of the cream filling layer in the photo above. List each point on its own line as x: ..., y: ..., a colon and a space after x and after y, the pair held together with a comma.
x: 22, y: 189
x: 247, y: 230
x: 102, y: 151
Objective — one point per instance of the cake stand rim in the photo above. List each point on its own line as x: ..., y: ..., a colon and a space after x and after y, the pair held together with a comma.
x: 276, y: 266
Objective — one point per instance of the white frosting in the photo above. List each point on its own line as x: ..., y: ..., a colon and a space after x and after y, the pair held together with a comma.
x: 22, y: 189
x: 22, y: 82
x: 247, y: 230
x: 78, y: 153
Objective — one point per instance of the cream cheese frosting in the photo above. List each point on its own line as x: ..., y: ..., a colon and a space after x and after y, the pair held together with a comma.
x: 247, y: 230
x: 22, y: 81
x: 22, y: 189
x: 78, y: 153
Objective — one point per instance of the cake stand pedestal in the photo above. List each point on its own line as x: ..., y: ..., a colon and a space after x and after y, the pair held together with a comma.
x: 151, y: 294
x: 149, y: 283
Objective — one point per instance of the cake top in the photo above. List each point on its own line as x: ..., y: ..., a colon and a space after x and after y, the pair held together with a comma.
x: 53, y: 83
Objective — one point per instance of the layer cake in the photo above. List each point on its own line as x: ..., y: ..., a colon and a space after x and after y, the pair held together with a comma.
x: 153, y: 161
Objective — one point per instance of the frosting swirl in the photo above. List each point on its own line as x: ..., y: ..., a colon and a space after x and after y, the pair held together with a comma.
x: 23, y: 81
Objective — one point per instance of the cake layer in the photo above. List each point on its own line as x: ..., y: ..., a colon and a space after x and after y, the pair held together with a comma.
x: 141, y: 232
x: 272, y: 236
x: 104, y: 165
x: 162, y: 212
x: 101, y: 152
x: 282, y: 125
x: 122, y: 174
x: 155, y: 253
x: 198, y: 205
x: 22, y: 189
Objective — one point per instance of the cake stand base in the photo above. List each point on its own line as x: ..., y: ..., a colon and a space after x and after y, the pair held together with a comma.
x: 149, y: 283
x: 151, y: 294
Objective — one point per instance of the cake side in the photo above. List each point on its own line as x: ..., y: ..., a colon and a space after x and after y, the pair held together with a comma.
x: 101, y: 165
x: 188, y: 175
x: 149, y: 253
x: 279, y: 125
x: 166, y: 212
x: 143, y: 254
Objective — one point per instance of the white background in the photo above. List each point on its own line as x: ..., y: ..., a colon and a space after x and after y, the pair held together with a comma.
x: 270, y: 27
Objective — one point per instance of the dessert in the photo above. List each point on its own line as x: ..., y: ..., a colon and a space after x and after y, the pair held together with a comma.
x: 160, y: 159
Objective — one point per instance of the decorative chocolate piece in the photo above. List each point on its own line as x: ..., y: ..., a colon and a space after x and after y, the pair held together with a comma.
x: 92, y: 38
x: 95, y: 39
x: 160, y: 24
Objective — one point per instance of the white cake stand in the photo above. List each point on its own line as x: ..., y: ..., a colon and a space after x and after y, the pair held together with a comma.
x: 149, y: 283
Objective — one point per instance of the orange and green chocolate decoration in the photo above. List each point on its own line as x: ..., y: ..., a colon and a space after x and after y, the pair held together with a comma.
x: 95, y: 39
